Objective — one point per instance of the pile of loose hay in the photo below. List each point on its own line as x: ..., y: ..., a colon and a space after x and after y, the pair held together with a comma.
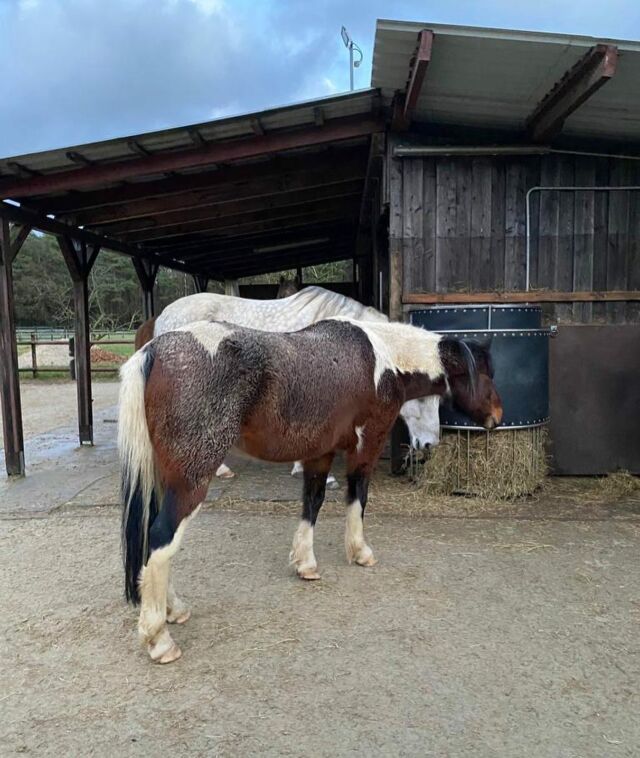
x: 505, y: 464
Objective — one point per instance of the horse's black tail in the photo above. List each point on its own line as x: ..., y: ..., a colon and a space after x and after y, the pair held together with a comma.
x: 137, y: 469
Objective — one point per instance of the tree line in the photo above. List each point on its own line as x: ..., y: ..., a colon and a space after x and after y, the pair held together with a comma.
x: 44, y: 295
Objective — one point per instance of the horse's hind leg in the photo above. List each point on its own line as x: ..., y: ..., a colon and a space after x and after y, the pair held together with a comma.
x: 165, y: 536
x: 315, y: 479
x: 177, y: 610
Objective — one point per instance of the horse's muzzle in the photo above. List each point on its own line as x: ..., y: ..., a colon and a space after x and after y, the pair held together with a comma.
x: 494, y: 419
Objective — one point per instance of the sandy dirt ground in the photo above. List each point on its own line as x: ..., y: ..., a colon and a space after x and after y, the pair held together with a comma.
x: 48, y: 405
x: 480, y: 637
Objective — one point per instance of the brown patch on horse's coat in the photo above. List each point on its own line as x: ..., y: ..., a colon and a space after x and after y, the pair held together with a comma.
x: 144, y: 333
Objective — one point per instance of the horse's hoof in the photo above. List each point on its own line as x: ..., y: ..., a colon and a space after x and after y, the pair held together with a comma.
x: 170, y: 656
x: 367, y: 561
x: 178, y: 618
x: 309, y: 574
x: 164, y: 649
x: 332, y: 484
x: 228, y: 474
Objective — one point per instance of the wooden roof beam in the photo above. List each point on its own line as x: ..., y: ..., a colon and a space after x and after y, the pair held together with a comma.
x: 28, y: 218
x: 339, y: 208
x: 262, y: 185
x: 226, y: 208
x: 419, y: 66
x: 201, y: 246
x: 215, y: 152
x: 405, y: 107
x: 168, y: 190
x: 590, y: 73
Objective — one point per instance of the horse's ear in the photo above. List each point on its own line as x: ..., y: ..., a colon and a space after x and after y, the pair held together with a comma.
x: 486, y: 342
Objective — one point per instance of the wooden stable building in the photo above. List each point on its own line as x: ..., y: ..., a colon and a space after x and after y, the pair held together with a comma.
x: 482, y: 166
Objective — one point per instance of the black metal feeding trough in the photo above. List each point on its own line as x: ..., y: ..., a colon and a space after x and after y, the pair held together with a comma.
x: 519, y: 351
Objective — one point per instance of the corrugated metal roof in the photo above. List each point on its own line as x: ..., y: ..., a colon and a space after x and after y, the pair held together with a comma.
x: 494, y: 78
x: 182, y: 137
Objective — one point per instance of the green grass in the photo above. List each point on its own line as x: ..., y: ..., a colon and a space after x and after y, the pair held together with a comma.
x: 125, y: 350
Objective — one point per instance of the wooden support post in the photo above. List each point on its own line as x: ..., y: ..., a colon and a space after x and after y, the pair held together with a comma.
x: 200, y: 282
x: 396, y: 232
x: 9, y: 377
x: 34, y: 356
x: 80, y: 258
x: 231, y: 287
x: 147, y: 273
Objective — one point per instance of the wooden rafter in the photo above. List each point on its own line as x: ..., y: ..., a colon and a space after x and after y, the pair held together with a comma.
x: 590, y: 73
x: 192, y: 249
x: 418, y: 71
x: 257, y: 222
x: 35, y: 221
x: 90, y: 176
x: 230, y: 182
x: 236, y: 208
x: 405, y: 104
x: 261, y: 188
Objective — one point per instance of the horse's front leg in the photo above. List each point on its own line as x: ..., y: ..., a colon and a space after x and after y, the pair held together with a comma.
x: 360, y: 465
x: 298, y: 470
x: 315, y: 479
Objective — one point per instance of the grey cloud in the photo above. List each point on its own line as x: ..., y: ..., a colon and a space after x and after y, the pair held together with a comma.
x: 84, y: 70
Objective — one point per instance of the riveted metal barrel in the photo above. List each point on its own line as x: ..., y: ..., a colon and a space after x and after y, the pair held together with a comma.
x: 519, y: 351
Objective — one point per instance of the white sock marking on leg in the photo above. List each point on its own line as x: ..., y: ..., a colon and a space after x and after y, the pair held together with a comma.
x: 302, y: 555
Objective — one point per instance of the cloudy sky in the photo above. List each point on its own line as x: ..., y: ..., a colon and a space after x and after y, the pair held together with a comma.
x: 75, y: 71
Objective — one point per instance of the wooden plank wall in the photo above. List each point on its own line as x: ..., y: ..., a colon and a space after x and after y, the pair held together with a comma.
x: 462, y: 226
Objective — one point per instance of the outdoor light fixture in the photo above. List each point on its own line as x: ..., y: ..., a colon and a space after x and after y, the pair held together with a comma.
x: 351, y: 46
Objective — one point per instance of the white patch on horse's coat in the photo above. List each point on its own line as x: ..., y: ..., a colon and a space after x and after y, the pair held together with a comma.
x: 355, y: 546
x: 402, y: 347
x: 423, y: 420
x: 302, y: 555
x: 208, y: 333
x: 360, y: 436
x: 224, y: 472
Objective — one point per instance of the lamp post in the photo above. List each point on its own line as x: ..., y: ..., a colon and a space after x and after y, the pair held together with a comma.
x: 351, y: 46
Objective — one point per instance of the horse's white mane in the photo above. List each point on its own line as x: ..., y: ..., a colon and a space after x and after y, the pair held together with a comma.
x: 402, y: 347
x: 291, y: 313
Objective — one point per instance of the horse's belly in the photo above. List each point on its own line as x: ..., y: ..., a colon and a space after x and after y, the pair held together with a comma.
x: 289, y: 445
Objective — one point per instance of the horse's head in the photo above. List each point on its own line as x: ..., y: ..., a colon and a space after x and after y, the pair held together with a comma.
x: 469, y: 371
x: 288, y: 287
x: 422, y: 417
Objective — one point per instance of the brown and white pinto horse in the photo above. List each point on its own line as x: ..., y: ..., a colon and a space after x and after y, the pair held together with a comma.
x: 289, y: 314
x: 336, y: 385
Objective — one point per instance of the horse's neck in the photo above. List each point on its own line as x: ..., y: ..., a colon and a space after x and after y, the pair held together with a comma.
x: 418, y: 385
x: 409, y: 349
